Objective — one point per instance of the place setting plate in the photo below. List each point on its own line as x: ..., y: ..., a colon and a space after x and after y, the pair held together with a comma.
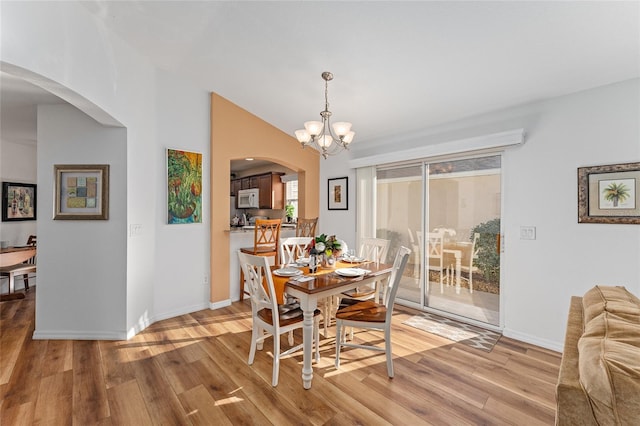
x: 350, y: 272
x: 302, y: 261
x: 287, y: 272
x: 356, y: 259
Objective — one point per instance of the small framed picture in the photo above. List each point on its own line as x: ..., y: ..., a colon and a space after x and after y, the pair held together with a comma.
x: 18, y: 201
x: 339, y: 193
x: 81, y: 192
x: 609, y: 194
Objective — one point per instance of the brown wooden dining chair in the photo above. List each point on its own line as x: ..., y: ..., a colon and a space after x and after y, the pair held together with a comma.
x: 306, y: 227
x: 266, y: 236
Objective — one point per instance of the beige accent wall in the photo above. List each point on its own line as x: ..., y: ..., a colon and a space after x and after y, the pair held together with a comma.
x: 235, y: 134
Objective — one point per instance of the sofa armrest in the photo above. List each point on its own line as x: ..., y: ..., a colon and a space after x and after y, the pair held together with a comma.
x: 572, y: 402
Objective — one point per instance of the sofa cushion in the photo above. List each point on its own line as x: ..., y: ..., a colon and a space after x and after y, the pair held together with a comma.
x: 609, y: 365
x: 616, y: 300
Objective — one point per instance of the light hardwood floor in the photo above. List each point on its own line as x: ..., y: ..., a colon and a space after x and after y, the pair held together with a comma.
x: 193, y: 369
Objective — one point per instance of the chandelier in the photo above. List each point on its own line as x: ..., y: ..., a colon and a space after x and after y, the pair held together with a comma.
x: 318, y: 134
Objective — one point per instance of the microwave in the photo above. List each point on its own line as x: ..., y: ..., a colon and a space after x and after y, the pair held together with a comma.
x: 248, y: 198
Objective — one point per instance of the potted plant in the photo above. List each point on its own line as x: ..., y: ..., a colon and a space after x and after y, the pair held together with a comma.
x: 289, y: 210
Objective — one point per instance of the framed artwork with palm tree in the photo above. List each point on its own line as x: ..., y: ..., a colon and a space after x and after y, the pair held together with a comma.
x: 609, y: 194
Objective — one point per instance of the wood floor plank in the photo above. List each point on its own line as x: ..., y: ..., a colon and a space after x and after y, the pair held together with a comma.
x: 90, y: 403
x: 192, y: 370
x: 127, y: 405
x: 201, y: 408
x: 55, y: 399
x: 116, y: 365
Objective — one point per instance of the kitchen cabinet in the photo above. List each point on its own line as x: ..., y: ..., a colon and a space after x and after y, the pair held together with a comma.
x: 236, y: 185
x: 270, y: 186
x: 271, y: 191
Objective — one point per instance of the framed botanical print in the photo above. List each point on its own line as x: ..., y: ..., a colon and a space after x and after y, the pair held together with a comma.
x: 609, y: 194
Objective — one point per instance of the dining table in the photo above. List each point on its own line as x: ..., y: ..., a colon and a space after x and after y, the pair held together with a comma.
x: 327, y: 281
x: 10, y: 257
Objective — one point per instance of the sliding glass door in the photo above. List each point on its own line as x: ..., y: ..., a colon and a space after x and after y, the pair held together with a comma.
x: 448, y: 214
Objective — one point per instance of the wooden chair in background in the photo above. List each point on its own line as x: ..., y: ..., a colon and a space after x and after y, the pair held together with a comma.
x: 23, y: 269
x: 266, y: 237
x: 306, y: 227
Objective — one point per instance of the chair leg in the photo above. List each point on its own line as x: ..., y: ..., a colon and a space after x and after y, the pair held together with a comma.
x: 338, y: 341
x: 241, y: 285
x: 25, y: 278
x: 470, y: 281
x: 276, y: 360
x: 254, y: 344
x: 387, y: 344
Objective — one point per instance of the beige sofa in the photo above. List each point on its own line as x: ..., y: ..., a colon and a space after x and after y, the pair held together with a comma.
x: 599, y: 381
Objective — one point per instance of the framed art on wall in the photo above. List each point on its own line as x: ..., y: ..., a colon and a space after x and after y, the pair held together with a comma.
x: 184, y: 187
x: 18, y: 201
x: 339, y: 193
x: 81, y: 192
x: 609, y: 194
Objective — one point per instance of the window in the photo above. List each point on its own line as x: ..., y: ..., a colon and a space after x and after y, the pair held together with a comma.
x: 291, y: 196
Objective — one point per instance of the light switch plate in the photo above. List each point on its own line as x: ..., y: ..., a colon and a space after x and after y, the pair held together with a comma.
x: 527, y: 232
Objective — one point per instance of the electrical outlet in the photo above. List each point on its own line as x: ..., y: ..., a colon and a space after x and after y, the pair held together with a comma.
x: 205, y: 281
x: 527, y: 232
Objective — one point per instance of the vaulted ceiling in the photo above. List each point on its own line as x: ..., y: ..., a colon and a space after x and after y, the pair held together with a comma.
x: 400, y: 67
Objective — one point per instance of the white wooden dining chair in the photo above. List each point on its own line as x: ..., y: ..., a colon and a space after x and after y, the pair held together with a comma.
x: 268, y: 319
x: 372, y: 315
x: 435, y: 257
x: 373, y: 250
x: 293, y: 248
x: 468, y: 256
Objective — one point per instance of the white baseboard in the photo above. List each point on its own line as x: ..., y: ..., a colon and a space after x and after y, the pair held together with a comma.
x: 219, y: 305
x: 527, y: 338
x: 78, y: 335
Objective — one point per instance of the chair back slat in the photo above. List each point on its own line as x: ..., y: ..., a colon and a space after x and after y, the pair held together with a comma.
x: 293, y: 248
x: 374, y: 249
x: 399, y: 264
x: 306, y: 227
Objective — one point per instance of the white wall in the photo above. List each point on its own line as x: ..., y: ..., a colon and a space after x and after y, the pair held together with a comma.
x: 98, y: 73
x: 593, y: 127
x: 17, y: 164
x: 341, y: 223
x: 81, y: 264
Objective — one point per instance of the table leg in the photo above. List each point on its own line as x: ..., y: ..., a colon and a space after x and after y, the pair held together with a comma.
x: 307, y: 339
x: 458, y: 268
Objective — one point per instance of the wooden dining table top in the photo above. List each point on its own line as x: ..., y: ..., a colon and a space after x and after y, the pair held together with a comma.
x: 15, y: 255
x: 325, y: 278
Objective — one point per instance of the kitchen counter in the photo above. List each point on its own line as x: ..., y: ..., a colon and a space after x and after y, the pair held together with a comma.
x: 250, y: 228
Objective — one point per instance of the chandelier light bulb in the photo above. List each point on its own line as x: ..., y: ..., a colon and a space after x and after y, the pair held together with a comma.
x: 348, y: 138
x: 325, y: 141
x: 341, y: 128
x: 303, y: 136
x: 313, y: 127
